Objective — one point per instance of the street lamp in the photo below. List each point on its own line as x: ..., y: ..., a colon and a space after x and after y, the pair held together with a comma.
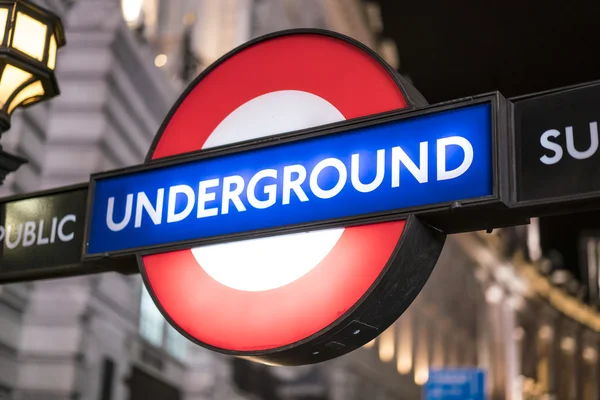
x: 29, y: 39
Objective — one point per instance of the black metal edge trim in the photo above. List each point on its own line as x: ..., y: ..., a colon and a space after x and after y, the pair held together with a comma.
x: 413, y: 95
x: 529, y: 96
x: 495, y: 144
x: 514, y: 151
x: 88, y: 217
x: 502, y: 146
x: 558, y: 199
x: 406, y: 272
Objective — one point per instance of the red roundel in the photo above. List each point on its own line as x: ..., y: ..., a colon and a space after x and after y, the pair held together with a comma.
x: 264, y: 294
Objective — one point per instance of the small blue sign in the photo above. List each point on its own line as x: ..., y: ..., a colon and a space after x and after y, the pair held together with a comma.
x: 412, y: 162
x: 455, y: 384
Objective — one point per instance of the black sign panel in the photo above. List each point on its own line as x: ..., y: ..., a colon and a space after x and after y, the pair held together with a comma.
x: 41, y: 236
x: 556, y: 145
x: 43, y: 231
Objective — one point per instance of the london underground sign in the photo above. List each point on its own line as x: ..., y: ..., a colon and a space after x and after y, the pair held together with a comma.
x: 309, y: 295
x: 294, y: 248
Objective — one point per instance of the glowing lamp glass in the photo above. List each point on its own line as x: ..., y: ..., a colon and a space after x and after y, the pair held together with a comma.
x: 11, y: 80
x: 52, y: 48
x: 28, y: 95
x: 30, y: 36
x: 3, y: 20
x: 30, y: 101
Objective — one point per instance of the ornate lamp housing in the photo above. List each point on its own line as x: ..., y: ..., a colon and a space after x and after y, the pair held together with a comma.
x: 29, y: 39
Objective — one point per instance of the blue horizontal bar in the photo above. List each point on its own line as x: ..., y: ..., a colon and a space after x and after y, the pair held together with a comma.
x: 411, y: 162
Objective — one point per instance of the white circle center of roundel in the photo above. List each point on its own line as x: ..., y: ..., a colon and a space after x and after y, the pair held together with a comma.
x: 272, y: 262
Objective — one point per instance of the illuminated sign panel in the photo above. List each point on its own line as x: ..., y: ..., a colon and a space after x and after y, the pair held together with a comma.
x: 403, y: 164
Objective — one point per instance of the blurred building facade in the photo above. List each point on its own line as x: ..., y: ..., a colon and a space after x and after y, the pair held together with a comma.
x: 490, y: 302
x: 558, y: 326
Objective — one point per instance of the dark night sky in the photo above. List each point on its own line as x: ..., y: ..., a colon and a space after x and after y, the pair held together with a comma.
x: 457, y: 48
